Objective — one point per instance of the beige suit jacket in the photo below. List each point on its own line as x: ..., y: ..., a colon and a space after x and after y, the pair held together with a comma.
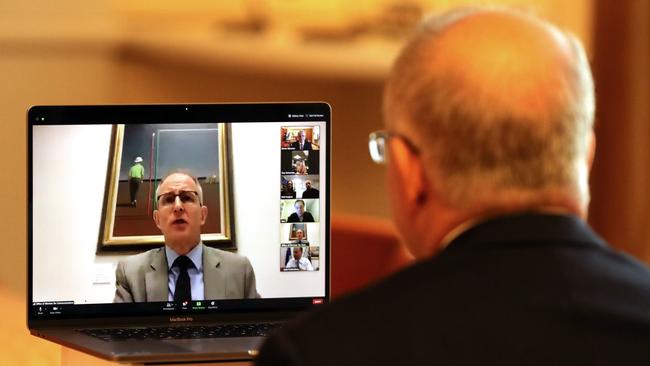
x: 143, y: 277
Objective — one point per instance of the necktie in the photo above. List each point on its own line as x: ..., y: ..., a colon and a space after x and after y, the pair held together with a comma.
x: 183, y: 291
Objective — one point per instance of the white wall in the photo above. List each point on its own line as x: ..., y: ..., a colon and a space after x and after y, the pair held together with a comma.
x: 69, y: 176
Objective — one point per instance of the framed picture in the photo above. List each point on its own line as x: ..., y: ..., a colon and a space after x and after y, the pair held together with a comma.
x: 141, y: 156
x: 295, y: 228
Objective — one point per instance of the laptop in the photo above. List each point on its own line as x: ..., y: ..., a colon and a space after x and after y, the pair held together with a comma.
x: 99, y: 277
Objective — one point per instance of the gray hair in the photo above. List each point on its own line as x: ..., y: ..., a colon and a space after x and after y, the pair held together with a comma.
x: 481, y: 148
x: 187, y: 173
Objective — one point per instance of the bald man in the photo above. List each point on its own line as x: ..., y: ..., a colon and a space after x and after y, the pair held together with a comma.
x: 184, y: 269
x: 488, y: 146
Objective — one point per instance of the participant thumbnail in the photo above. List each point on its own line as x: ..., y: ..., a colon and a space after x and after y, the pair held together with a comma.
x: 300, y: 138
x: 299, y: 162
x: 300, y: 186
x: 299, y: 210
x: 299, y: 258
x: 300, y: 233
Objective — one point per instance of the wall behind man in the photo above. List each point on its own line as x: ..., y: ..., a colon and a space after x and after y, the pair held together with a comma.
x: 620, y: 181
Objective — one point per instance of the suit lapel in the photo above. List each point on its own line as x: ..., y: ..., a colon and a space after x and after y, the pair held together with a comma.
x: 214, y: 282
x: 156, y: 279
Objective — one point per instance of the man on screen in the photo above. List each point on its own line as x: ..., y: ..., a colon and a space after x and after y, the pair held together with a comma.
x: 300, y: 235
x: 184, y: 269
x: 488, y: 144
x: 310, y: 192
x: 300, y: 215
x: 301, y: 142
x: 298, y: 261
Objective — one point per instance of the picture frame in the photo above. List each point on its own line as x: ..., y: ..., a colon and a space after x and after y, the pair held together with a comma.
x: 201, y: 150
x: 298, y: 226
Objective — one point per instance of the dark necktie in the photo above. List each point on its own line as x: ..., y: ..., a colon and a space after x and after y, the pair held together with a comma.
x: 182, y: 291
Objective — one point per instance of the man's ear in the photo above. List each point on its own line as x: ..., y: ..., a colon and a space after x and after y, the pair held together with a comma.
x: 409, y: 168
x: 591, y: 150
x: 156, y: 218
x: 204, y: 214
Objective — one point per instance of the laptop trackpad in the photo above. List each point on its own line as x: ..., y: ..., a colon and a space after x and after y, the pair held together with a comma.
x: 219, y: 345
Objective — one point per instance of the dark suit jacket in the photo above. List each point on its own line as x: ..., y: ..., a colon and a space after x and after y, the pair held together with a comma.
x: 305, y: 146
x: 310, y: 193
x: 306, y: 217
x: 518, y: 290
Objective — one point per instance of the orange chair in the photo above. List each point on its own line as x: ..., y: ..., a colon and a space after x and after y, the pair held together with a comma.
x: 363, y: 250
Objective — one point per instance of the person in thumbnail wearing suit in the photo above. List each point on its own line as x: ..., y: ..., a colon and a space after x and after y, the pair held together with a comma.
x: 184, y: 269
x: 301, y: 142
x: 300, y: 237
x: 488, y: 146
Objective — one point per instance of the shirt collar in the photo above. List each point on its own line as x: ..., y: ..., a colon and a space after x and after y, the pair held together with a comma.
x: 456, y: 231
x: 195, y: 255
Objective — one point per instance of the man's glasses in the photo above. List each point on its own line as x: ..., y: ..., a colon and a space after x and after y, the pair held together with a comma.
x: 378, y: 142
x: 377, y: 146
x: 169, y: 198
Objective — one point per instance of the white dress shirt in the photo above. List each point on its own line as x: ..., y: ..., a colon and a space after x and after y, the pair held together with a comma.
x: 303, y: 264
x: 195, y: 272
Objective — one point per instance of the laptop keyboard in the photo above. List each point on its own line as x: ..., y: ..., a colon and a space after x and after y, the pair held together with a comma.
x: 183, y: 332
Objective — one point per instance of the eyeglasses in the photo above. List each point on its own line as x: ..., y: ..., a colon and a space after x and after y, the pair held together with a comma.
x: 169, y: 198
x: 378, y: 142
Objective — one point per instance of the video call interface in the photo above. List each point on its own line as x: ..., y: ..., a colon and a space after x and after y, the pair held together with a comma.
x: 263, y: 193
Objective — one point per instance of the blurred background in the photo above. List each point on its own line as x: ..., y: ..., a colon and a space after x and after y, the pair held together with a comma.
x: 135, y: 51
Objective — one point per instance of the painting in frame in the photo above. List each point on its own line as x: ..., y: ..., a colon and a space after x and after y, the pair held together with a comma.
x: 141, y: 156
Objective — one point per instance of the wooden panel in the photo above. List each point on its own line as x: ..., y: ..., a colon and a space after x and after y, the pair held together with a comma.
x: 620, y: 209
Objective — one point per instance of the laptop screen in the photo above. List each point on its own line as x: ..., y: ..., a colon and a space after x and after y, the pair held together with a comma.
x: 177, y: 209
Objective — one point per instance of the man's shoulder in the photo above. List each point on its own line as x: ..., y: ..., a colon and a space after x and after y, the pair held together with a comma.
x: 451, y: 299
x: 224, y: 255
x: 505, y: 287
x: 143, y: 257
x: 138, y: 264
